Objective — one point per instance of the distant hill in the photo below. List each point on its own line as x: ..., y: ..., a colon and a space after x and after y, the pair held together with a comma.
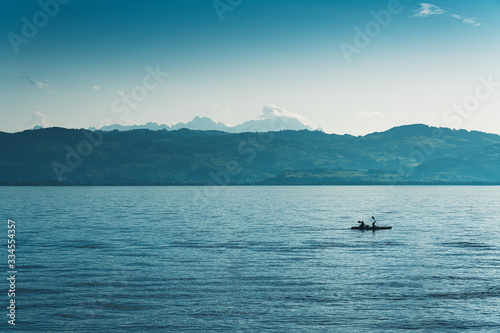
x: 482, y: 164
x: 149, y: 126
x: 410, y: 154
x: 207, y: 124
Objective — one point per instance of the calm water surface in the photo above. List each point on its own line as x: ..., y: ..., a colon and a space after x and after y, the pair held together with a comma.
x: 279, y: 259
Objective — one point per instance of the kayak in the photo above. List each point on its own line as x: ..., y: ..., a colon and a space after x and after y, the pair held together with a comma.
x: 371, y: 228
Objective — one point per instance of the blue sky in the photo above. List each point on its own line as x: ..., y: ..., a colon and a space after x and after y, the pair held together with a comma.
x: 424, y: 62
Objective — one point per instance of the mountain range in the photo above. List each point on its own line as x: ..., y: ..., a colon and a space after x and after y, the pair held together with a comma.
x: 412, y: 154
x: 207, y: 124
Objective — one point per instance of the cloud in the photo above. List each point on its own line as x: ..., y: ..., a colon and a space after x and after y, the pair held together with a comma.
x: 40, y: 84
x: 273, y: 111
x: 427, y: 9
x: 38, y: 119
x: 472, y: 21
x: 369, y: 115
x: 111, y: 91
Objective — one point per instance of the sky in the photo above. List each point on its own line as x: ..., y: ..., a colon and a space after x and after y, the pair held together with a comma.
x: 353, y: 67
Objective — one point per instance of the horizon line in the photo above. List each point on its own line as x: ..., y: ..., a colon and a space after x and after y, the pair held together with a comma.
x: 93, y: 129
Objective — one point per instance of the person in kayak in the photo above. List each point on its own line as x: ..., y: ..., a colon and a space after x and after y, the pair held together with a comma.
x: 362, y: 225
x: 374, y: 223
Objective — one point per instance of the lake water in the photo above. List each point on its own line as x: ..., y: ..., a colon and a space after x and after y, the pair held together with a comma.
x: 280, y: 259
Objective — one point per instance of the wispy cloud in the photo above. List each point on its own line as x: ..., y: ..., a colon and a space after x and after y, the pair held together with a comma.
x: 272, y: 111
x: 111, y: 91
x: 472, y: 21
x: 370, y: 115
x: 427, y: 9
x: 39, y: 119
x: 40, y: 84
